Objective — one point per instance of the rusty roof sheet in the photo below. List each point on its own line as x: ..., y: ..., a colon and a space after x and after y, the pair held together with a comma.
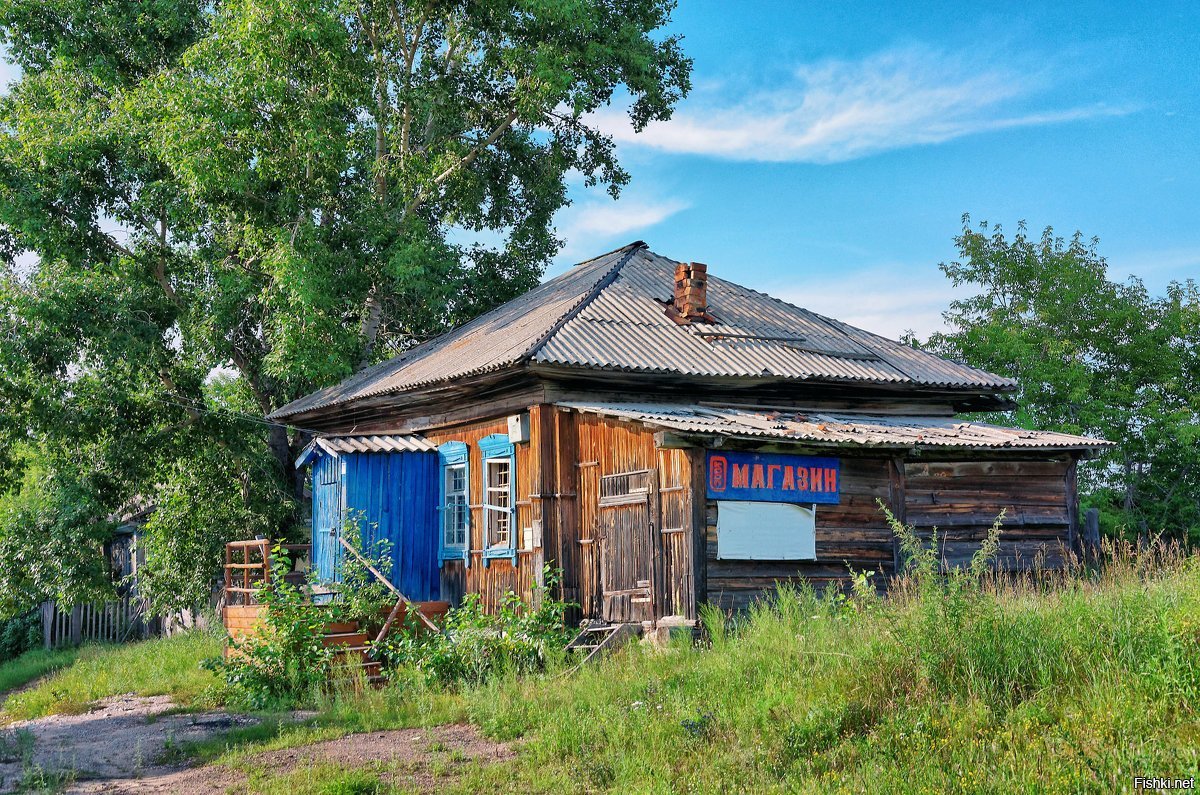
x: 835, y: 429
x: 366, y: 443
x: 609, y: 314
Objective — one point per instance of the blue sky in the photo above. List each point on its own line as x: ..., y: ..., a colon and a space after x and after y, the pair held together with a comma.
x: 828, y: 150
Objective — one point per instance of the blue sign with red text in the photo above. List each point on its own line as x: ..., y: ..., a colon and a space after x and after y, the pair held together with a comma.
x: 773, y: 477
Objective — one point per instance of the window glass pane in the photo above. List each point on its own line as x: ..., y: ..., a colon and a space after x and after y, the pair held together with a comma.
x: 498, y: 501
x: 456, y: 510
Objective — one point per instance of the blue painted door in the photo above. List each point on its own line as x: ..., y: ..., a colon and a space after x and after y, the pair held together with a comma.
x: 328, y: 515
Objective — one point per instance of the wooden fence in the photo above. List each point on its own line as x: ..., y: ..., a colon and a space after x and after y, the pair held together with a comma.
x: 118, y: 621
x: 106, y: 622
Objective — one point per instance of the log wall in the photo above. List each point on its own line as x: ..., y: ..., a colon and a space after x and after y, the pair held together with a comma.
x: 499, y: 576
x: 558, y: 494
x: 962, y: 499
x: 852, y: 533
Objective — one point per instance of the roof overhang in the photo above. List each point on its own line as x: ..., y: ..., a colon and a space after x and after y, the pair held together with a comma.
x: 365, y: 443
x: 708, y: 424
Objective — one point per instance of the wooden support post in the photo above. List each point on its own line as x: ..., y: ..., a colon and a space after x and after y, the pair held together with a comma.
x: 657, y: 577
x: 898, y: 502
x: 699, y: 503
x: 1091, y: 532
x: 47, y: 624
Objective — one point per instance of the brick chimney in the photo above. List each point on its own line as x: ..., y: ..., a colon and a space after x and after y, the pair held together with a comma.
x: 691, y: 293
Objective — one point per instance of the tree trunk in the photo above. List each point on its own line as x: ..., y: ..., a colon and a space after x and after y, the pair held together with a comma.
x: 293, y: 479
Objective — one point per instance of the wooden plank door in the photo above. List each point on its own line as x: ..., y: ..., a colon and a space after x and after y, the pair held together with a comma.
x: 627, y: 556
x: 328, y: 515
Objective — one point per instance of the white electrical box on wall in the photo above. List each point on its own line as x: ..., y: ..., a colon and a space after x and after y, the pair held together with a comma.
x: 518, y: 428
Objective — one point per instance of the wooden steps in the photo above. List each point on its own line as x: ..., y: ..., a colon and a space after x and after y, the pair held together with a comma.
x: 353, y: 650
x: 596, y: 640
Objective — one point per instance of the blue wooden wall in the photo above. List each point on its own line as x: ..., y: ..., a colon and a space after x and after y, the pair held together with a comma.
x: 391, y: 496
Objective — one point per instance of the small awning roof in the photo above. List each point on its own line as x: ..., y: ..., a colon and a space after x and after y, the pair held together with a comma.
x: 390, y: 443
x: 820, y: 428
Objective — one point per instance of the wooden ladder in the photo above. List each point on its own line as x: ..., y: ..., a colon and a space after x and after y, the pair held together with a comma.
x: 597, y: 640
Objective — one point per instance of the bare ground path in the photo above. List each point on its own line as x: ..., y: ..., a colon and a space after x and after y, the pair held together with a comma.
x: 116, y: 748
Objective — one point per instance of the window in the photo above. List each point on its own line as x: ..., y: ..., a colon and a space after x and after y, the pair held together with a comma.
x: 497, y: 503
x: 499, y: 497
x: 458, y: 517
x: 455, y: 503
x: 765, y: 531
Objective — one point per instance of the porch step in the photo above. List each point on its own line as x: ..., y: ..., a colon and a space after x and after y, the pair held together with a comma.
x: 345, y: 639
x: 353, y: 651
x: 597, y: 640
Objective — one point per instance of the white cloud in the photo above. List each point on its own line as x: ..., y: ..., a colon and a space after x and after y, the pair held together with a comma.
x: 589, y: 225
x: 886, y: 300
x: 838, y: 110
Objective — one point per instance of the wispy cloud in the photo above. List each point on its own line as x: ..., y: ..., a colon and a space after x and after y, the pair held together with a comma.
x: 588, y: 224
x: 885, y: 300
x: 838, y: 110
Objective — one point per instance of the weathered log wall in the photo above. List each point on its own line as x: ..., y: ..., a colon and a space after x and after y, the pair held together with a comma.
x: 962, y: 499
x: 852, y: 533
x: 499, y: 576
x: 559, y: 473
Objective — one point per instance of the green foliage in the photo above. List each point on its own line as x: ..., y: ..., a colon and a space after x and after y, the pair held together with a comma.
x: 477, y: 646
x: 285, y: 663
x: 20, y: 634
x: 274, y: 190
x: 50, y: 539
x: 162, y: 666
x: 1092, y: 356
x: 361, y: 596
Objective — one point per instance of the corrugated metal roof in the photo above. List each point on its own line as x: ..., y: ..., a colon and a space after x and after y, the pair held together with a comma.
x: 841, y: 429
x: 624, y: 327
x: 374, y: 443
x: 609, y: 313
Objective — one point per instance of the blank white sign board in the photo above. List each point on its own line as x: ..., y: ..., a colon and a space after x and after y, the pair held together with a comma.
x: 765, y: 531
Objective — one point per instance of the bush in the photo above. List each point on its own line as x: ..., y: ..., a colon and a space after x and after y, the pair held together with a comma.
x: 20, y: 634
x: 285, y: 662
x: 476, y: 645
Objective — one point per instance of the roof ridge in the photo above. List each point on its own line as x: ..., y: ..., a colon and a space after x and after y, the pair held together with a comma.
x: 608, y: 278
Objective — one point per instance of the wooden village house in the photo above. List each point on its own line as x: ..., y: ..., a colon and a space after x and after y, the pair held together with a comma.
x: 668, y: 438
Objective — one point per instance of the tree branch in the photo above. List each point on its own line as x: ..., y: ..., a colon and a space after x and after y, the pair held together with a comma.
x: 464, y: 162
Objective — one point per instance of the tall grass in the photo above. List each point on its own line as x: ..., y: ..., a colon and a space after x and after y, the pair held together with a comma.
x: 163, y: 666
x: 27, y: 667
x: 1069, y: 681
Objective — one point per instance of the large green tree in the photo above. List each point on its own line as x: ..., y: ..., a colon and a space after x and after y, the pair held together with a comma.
x: 209, y: 209
x: 1092, y: 356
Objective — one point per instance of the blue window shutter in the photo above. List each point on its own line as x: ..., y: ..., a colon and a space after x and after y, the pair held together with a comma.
x: 498, y: 446
x: 452, y: 454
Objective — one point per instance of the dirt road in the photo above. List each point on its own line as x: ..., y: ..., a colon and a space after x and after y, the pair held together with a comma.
x: 119, y: 748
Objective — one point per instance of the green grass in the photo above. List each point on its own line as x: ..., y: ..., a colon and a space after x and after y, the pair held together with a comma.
x: 32, y: 665
x: 1076, y: 685
x: 1075, y: 682
x: 164, y: 666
